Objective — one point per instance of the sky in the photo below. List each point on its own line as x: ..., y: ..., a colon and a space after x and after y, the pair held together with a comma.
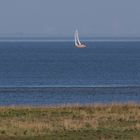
x: 60, y: 18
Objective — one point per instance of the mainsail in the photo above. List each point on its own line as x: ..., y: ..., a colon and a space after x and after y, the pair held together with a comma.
x: 77, y: 40
x: 78, y: 44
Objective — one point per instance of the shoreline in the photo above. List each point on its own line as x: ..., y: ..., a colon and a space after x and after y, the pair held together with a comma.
x: 53, y: 96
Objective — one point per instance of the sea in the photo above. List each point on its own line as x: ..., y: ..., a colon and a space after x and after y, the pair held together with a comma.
x: 46, y: 73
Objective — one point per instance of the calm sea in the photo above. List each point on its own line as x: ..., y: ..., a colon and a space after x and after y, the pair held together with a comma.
x: 50, y: 73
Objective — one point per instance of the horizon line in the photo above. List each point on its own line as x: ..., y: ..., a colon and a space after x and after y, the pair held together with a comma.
x: 68, y: 39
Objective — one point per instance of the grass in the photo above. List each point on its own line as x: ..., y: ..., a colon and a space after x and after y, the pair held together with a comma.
x: 98, y: 122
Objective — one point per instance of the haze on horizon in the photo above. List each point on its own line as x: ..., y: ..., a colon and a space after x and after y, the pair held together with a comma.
x: 51, y: 18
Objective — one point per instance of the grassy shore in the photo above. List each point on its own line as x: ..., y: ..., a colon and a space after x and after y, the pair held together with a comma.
x: 98, y: 122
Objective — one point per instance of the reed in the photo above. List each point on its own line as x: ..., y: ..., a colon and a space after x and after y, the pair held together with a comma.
x: 106, y: 122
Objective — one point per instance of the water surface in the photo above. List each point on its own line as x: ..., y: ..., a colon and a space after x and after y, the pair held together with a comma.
x: 59, y: 64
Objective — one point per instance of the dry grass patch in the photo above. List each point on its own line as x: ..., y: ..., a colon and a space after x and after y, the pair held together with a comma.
x: 113, y: 120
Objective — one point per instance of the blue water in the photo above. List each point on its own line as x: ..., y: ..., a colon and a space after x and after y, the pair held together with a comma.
x: 59, y: 64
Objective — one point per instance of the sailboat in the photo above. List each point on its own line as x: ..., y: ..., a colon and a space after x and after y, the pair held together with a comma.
x: 78, y: 44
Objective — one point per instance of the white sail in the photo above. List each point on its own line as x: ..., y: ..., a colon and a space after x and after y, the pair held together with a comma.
x: 77, y: 40
x: 77, y: 36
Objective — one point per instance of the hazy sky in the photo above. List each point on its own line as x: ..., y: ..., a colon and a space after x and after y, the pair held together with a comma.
x: 60, y: 18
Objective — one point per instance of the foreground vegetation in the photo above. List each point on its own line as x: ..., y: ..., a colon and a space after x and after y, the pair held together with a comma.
x: 98, y: 122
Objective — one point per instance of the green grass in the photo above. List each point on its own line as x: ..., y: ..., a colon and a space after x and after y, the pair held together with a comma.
x: 98, y: 122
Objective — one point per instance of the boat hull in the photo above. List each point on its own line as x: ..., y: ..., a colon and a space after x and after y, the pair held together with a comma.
x: 81, y: 46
